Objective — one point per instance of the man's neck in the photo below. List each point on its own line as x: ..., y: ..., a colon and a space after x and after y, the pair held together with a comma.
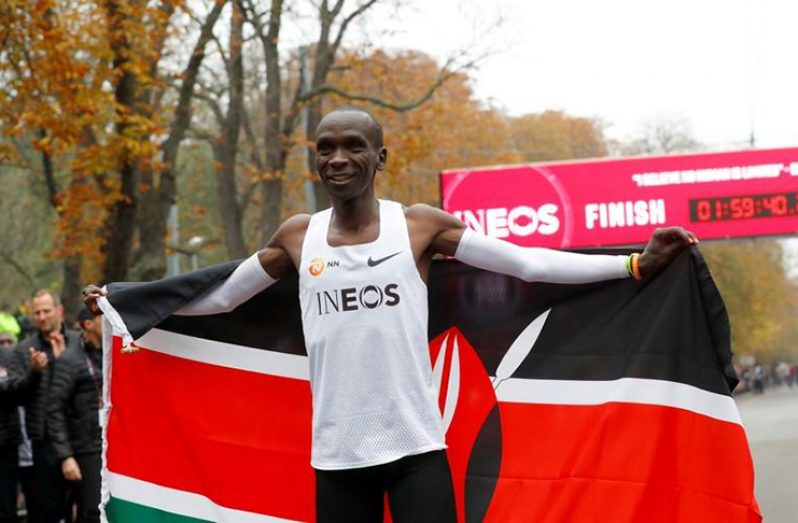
x: 354, y: 215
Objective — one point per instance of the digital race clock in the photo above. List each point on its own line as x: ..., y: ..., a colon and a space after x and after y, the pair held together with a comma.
x: 744, y: 207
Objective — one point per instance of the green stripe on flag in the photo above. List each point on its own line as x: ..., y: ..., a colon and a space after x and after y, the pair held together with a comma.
x: 121, y: 511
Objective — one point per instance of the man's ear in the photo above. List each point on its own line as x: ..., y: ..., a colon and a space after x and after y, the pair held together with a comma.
x: 383, y: 159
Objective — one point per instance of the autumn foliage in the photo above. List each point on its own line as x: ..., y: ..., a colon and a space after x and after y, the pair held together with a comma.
x: 75, y: 76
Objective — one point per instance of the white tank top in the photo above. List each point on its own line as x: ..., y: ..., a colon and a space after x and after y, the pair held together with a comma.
x: 364, y: 316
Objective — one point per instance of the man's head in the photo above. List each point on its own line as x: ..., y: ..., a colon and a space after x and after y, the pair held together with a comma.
x: 47, y: 311
x: 91, y: 325
x: 7, y: 341
x: 349, y: 152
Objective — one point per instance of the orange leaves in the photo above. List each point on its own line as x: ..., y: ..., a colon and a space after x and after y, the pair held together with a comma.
x: 61, y: 66
x: 553, y: 135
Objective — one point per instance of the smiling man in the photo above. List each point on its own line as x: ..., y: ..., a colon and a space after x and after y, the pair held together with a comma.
x: 50, y: 340
x: 363, y: 266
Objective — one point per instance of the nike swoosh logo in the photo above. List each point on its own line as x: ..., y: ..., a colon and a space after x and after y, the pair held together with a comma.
x: 374, y: 263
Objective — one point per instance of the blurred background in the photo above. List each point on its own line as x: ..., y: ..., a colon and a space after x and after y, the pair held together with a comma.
x: 143, y: 138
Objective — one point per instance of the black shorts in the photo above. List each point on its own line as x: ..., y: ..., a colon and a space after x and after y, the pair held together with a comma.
x: 419, y: 490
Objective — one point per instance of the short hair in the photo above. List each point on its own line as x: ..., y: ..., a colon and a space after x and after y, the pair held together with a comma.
x: 47, y: 292
x: 377, y: 127
x: 85, y: 314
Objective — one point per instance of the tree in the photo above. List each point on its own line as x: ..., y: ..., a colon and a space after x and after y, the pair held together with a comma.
x: 86, y: 76
x: 759, y: 297
x: 664, y: 136
x: 446, y: 131
x: 553, y: 135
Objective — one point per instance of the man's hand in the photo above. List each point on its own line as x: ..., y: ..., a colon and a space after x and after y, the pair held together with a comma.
x: 38, y: 360
x: 70, y: 469
x: 91, y: 293
x: 58, y: 343
x: 663, y: 247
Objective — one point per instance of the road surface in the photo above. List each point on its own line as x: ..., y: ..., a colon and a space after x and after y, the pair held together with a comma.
x: 771, y: 423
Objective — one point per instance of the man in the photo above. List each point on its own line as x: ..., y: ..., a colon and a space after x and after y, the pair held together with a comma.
x: 363, y: 267
x: 12, y: 435
x: 8, y: 323
x: 48, y: 503
x: 73, y: 412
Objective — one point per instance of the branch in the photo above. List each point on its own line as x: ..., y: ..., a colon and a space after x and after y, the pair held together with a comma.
x: 342, y: 29
x: 19, y: 268
x: 213, y: 105
x: 252, y: 142
x: 443, y: 75
x: 49, y: 175
x: 182, y: 116
x: 246, y: 198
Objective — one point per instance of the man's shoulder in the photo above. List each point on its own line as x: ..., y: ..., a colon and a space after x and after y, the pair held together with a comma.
x: 430, y: 216
x: 72, y: 337
x: 421, y: 211
x: 297, y: 220
x: 296, y: 224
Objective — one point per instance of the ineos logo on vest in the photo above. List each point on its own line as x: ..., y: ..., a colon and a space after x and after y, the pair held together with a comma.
x: 353, y: 298
x: 317, y: 265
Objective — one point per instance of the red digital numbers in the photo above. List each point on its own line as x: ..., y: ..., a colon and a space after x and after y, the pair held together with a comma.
x: 743, y: 207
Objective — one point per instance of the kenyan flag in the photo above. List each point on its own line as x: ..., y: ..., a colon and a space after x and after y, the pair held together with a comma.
x: 600, y: 402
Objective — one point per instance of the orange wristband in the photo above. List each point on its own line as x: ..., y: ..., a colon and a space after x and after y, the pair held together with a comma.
x: 636, y: 267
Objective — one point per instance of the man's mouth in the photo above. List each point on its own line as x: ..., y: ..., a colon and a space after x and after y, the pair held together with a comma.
x: 340, y: 178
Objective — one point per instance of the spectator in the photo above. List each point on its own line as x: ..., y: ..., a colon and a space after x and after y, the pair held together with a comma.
x: 759, y: 379
x: 8, y: 323
x: 10, y: 423
x: 22, y: 315
x: 73, y: 412
x: 47, y: 502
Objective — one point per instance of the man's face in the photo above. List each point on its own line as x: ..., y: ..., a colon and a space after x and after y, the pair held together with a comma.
x: 92, y: 329
x: 346, y: 155
x: 7, y: 341
x: 46, y: 314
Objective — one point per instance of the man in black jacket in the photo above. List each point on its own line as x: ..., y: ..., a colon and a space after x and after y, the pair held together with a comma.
x: 53, y: 339
x: 73, y: 413
x: 9, y: 424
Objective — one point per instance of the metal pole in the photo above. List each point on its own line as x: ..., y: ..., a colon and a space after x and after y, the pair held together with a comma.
x: 173, y: 259
x: 304, y: 77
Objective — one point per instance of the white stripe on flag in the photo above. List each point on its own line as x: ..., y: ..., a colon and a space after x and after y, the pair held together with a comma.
x: 180, y: 502
x: 226, y: 354
x: 624, y: 390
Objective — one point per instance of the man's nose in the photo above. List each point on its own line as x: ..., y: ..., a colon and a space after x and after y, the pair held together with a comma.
x: 339, y: 158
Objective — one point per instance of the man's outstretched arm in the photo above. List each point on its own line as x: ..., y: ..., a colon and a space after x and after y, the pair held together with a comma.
x: 253, y: 275
x: 451, y: 237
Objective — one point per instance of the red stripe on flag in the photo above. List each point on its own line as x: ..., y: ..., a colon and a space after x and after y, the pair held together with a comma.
x: 621, y: 462
x: 240, y: 438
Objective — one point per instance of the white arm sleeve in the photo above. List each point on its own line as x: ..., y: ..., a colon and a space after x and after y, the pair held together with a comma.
x: 535, y: 264
x: 246, y: 281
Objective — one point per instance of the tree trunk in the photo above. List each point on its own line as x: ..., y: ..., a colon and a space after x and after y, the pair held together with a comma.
x: 71, y: 286
x: 150, y: 262
x: 272, y: 189
x: 314, y: 117
x: 118, y: 233
x: 227, y: 152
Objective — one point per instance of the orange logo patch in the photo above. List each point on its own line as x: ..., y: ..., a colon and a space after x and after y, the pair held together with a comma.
x: 316, y: 266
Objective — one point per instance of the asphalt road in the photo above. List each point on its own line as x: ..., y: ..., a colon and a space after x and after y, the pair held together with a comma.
x: 771, y: 423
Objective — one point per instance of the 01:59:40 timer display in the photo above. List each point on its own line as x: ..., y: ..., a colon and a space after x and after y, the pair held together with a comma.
x: 744, y: 207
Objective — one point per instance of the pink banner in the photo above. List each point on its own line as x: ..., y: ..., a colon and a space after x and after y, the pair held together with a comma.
x: 621, y: 201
